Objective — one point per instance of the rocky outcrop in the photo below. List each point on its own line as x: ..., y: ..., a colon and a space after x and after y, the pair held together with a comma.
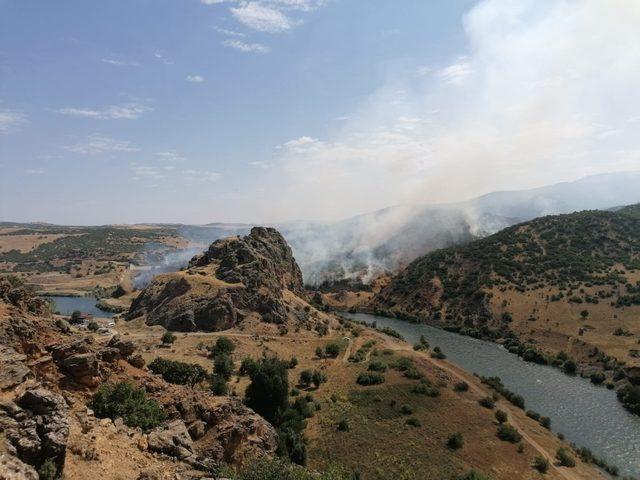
x: 36, y: 428
x: 14, y: 371
x: 234, y: 277
x: 15, y: 294
x: 172, y: 439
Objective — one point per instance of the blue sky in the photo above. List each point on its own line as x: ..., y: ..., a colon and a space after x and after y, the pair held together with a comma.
x: 271, y: 110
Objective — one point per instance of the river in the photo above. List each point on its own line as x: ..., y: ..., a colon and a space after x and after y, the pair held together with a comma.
x: 66, y: 306
x: 587, y: 415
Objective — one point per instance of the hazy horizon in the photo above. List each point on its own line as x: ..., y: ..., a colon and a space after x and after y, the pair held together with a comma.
x: 273, y: 111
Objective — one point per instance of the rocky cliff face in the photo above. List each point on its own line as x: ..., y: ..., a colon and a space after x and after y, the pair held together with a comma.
x: 234, y: 277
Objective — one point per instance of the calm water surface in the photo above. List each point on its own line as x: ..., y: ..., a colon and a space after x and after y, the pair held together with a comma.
x: 66, y: 306
x: 588, y: 415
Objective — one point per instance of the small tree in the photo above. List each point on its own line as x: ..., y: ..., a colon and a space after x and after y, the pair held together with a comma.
x: 501, y: 416
x: 306, y: 378
x: 223, y: 346
x: 541, y: 464
x: 332, y: 350
x: 268, y: 392
x: 123, y: 400
x: 218, y: 385
x: 508, y: 433
x: 168, y: 338
x: 318, y: 378
x: 545, y: 422
x: 76, y: 317
x: 487, y: 402
x: 223, y: 365
x: 564, y: 458
x: 93, y: 326
x: 455, y: 441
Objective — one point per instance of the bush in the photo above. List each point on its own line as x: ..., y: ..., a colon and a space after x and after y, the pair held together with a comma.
x: 76, y: 317
x: 487, y: 402
x: 93, y: 326
x: 437, y: 353
x: 508, y: 433
x: 168, y: 338
x: 306, y: 378
x: 370, y: 378
x: 247, y: 365
x: 343, y: 426
x: 413, y: 422
x: 597, y: 378
x: 123, y: 400
x: 279, y: 469
x: 178, y: 372
x: 425, y: 389
x: 219, y: 385
x: 223, y: 365
x: 570, y: 367
x: 413, y: 374
x: 564, y: 458
x: 332, y: 350
x: 541, y: 464
x: 268, y: 392
x: 545, y: 422
x: 293, y: 362
x: 501, y: 416
x: 474, y: 475
x: 532, y: 414
x: 455, y: 441
x: 318, y: 378
x: 406, y: 410
x: 377, y: 367
x: 319, y: 352
x: 48, y: 470
x: 223, y: 346
x: 461, y: 387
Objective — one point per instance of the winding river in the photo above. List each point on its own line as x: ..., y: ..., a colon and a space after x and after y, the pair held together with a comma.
x: 587, y: 415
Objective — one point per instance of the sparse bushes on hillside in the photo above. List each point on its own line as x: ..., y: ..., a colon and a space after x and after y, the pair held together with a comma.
x: 474, y: 475
x: 223, y: 366
x: 437, y: 353
x: 332, y: 350
x: 487, y: 402
x: 123, y: 400
x: 564, y: 458
x: 279, y: 469
x: 178, y: 372
x: 501, y: 416
x: 223, y: 346
x: 541, y: 464
x: 377, y: 367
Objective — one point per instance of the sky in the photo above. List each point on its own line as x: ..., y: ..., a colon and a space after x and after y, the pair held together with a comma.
x: 261, y: 111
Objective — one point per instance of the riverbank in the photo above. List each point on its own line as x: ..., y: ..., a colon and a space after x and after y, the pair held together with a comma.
x: 587, y: 415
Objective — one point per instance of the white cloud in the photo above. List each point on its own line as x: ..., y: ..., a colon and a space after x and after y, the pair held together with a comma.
x: 246, y: 47
x: 34, y: 171
x: 160, y: 56
x: 538, y: 98
x: 194, y: 78
x: 229, y: 33
x: 128, y: 111
x: 99, y: 144
x: 10, y: 119
x: 119, y: 63
x: 262, y: 18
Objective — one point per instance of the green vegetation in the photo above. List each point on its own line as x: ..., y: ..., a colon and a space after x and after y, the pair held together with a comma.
x: 474, y: 475
x: 223, y: 366
x: 437, y: 353
x: 508, y: 433
x: 370, y: 378
x: 455, y: 441
x: 461, y: 387
x: 564, y: 458
x: 501, y: 416
x: 178, y: 372
x: 487, y: 402
x: 219, y: 385
x: 223, y: 346
x: 332, y: 350
x: 93, y: 326
x: 541, y: 464
x: 280, y: 469
x: 48, y: 470
x: 123, y: 400
x: 168, y: 338
x: 496, y: 384
x: 377, y: 366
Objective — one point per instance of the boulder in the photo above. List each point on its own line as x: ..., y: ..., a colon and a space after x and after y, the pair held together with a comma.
x: 172, y: 439
x: 14, y: 371
x: 12, y: 468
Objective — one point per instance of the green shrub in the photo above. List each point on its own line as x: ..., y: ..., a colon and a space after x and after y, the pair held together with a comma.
x: 93, y: 326
x: 501, y: 416
x: 437, y: 353
x: 545, y: 422
x: 247, y: 365
x: 268, y: 392
x: 178, y: 372
x: 370, y: 378
x: 223, y: 365
x: 293, y: 362
x: 377, y: 367
x: 406, y: 410
x: 343, y: 426
x: 318, y: 378
x: 168, y: 338
x: 123, y: 400
x: 332, y: 350
x: 223, y: 346
x: 461, y: 387
x: 413, y: 422
x: 455, y: 441
x: 48, y: 470
x: 541, y: 464
x: 474, y: 475
x: 279, y: 469
x: 508, y: 433
x: 306, y: 378
x: 219, y: 385
x: 76, y: 317
x: 413, y: 374
x: 532, y: 414
x: 487, y: 402
x: 564, y: 458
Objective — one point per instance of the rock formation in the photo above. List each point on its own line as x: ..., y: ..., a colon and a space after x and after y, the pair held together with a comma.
x: 234, y: 277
